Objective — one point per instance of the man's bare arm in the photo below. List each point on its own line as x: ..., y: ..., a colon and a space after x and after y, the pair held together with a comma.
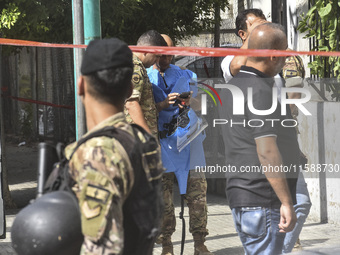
x: 136, y: 113
x: 269, y: 155
x: 171, y: 98
x: 238, y: 61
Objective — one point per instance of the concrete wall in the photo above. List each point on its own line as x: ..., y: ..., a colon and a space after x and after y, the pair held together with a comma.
x: 265, y: 6
x: 320, y: 141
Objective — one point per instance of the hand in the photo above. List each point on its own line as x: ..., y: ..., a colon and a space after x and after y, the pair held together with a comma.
x: 251, y: 24
x: 170, y: 100
x: 185, y: 101
x: 287, y: 218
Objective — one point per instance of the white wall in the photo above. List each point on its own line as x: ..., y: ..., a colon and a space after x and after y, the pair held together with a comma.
x: 320, y: 141
x: 265, y: 6
x: 326, y: 205
x: 292, y: 22
x: 332, y: 156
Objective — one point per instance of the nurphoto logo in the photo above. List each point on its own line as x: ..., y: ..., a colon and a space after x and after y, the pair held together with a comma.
x: 240, y: 101
x: 204, y: 97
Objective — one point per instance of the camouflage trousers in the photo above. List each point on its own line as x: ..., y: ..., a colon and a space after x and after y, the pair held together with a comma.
x: 195, y: 199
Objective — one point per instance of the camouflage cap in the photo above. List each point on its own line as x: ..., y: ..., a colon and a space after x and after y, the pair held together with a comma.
x: 293, y: 71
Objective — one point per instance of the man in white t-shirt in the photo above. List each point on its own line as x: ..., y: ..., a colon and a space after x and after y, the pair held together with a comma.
x: 245, y: 22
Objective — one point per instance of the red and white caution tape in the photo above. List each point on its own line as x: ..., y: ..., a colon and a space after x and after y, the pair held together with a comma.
x: 183, y: 51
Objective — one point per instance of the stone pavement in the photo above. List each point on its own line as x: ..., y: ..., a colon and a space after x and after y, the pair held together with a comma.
x: 222, y: 239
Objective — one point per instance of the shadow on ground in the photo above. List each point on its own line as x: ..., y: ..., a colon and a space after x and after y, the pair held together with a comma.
x: 232, y: 250
x: 22, y: 197
x: 21, y: 164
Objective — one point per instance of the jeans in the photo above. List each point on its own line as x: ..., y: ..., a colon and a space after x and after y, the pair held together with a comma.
x: 302, y: 209
x: 258, y: 230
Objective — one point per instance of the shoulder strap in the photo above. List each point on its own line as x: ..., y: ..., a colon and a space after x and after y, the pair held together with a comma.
x: 131, y: 145
x: 110, y: 131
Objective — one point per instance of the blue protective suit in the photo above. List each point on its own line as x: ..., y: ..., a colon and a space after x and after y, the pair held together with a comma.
x: 177, y: 80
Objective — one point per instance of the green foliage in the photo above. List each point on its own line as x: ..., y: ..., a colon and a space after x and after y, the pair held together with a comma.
x: 322, y: 23
x: 9, y: 16
x: 51, y: 21
x: 39, y: 20
x: 128, y: 19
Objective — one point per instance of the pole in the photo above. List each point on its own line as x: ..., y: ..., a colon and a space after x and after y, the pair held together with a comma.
x: 78, y: 38
x: 2, y: 138
x: 217, y: 35
x: 92, y: 21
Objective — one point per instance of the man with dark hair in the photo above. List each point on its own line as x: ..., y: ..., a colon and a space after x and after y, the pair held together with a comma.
x: 140, y: 107
x: 245, y: 22
x: 110, y: 85
x: 244, y: 19
x: 151, y: 38
x: 105, y: 177
x: 261, y: 196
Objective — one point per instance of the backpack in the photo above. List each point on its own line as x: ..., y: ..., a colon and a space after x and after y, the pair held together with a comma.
x: 144, y: 206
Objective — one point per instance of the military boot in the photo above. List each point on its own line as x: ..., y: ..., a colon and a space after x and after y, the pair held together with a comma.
x: 297, y: 246
x: 200, y: 248
x: 167, y: 247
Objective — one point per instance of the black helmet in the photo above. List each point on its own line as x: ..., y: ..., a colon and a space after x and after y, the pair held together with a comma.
x: 49, y: 226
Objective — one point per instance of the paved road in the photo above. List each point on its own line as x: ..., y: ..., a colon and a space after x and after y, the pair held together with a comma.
x: 222, y: 239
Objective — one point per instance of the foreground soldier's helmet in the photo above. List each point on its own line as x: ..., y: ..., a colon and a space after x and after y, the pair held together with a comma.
x: 49, y: 226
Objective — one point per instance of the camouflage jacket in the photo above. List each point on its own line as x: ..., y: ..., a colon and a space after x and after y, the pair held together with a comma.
x: 142, y: 91
x: 293, y: 71
x: 104, y: 177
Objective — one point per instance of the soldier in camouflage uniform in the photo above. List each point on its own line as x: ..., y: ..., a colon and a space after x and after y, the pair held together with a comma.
x: 197, y: 202
x: 101, y: 167
x: 101, y: 164
x: 294, y: 72
x: 140, y: 108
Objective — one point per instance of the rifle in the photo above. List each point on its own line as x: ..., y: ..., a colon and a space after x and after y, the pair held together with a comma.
x: 48, y: 155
